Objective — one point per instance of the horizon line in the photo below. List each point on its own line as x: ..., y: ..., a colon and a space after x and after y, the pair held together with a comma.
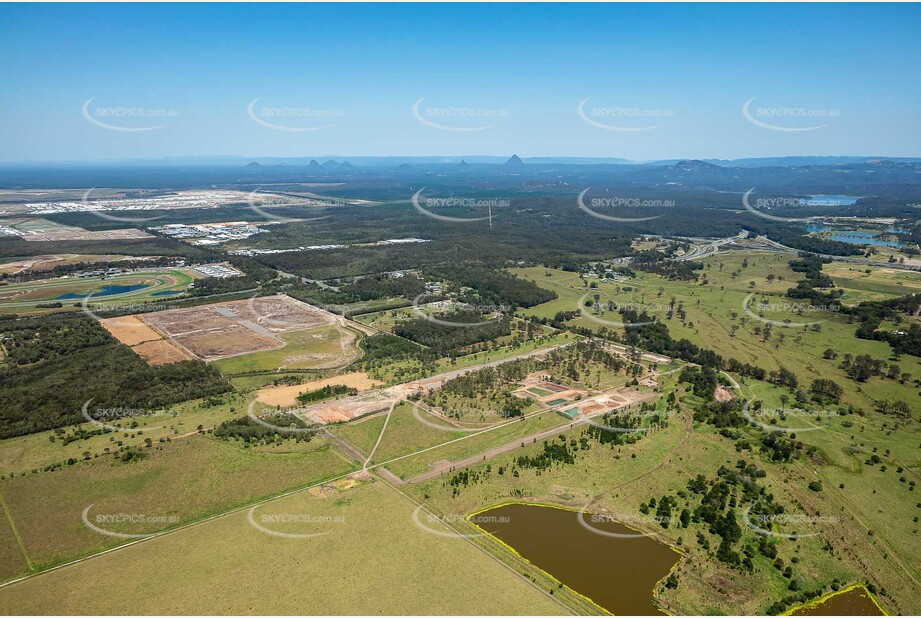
x: 458, y: 158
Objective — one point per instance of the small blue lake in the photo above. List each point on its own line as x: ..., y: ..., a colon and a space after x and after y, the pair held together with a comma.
x: 107, y: 290
x: 862, y: 238
x: 856, y: 238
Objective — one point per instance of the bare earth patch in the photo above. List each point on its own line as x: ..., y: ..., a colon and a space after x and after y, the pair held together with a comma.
x: 221, y: 330
x: 161, y: 352
x: 286, y: 396
x: 231, y: 340
x: 129, y: 329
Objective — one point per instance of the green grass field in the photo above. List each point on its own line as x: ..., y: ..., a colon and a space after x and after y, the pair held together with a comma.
x: 877, y: 284
x: 362, y: 433
x: 662, y: 462
x: 177, y: 483
x: 716, y: 319
x: 387, y: 319
x: 374, y: 558
x: 23, y: 454
x: 368, y: 306
x: 469, y: 444
x: 405, y: 434
x: 375, y: 552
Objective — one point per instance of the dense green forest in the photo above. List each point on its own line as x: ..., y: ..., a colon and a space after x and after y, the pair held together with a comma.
x: 448, y: 339
x: 543, y: 230
x: 495, y: 286
x: 55, y: 364
x: 385, y: 286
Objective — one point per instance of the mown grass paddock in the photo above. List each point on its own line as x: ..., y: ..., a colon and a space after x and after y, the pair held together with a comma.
x: 173, y: 484
x: 386, y: 560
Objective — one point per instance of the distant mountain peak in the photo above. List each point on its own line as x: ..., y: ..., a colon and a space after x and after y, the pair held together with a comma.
x: 463, y: 163
x: 313, y: 163
x: 694, y: 164
x: 514, y: 160
x: 253, y: 165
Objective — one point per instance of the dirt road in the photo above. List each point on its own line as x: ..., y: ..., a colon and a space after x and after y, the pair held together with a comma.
x: 443, y: 467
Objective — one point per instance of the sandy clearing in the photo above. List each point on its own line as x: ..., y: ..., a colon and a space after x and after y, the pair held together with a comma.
x: 287, y: 395
x: 161, y: 352
x: 129, y: 329
x: 723, y: 394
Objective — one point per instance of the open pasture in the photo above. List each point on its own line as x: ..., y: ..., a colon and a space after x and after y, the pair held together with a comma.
x: 176, y: 483
x: 716, y: 317
x: 371, y: 540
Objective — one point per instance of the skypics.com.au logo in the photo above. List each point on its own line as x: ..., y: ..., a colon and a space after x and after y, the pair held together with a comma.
x: 466, y: 203
x: 785, y: 119
x: 771, y: 525
x: 621, y: 118
x: 458, y: 119
x: 296, y: 119
x: 110, y: 524
x: 620, y: 202
x: 107, y: 418
x: 125, y: 119
x: 772, y: 203
x: 760, y: 310
x: 262, y: 203
x: 448, y: 525
x: 288, y: 525
x: 770, y: 419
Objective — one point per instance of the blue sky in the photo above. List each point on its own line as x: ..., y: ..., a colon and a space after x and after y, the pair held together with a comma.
x: 516, y: 73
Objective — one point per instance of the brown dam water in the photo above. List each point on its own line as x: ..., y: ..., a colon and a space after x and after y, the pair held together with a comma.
x: 619, y: 574
x: 853, y: 602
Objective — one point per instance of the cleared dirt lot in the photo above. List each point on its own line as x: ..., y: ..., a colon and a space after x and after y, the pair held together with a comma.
x: 230, y: 340
x: 145, y: 341
x: 233, y: 328
x: 180, y: 322
x: 287, y: 395
x: 279, y: 314
x: 130, y: 329
x: 347, y: 408
x: 161, y: 352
